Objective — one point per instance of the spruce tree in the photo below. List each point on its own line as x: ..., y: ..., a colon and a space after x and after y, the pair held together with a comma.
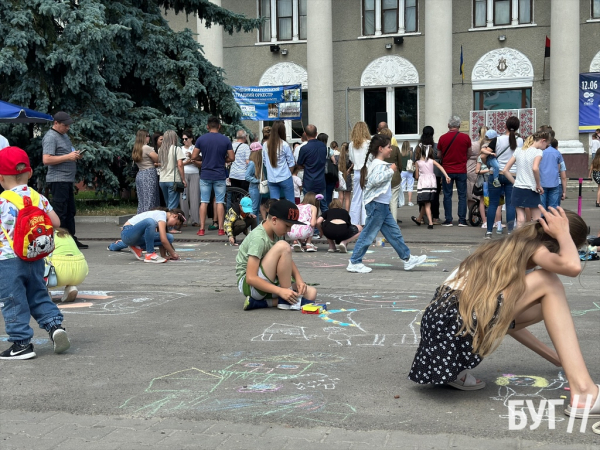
x: 115, y: 67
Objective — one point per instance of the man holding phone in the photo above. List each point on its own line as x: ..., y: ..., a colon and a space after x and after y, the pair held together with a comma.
x: 61, y: 158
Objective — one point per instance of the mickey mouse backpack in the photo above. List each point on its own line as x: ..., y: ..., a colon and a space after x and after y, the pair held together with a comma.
x: 34, y: 235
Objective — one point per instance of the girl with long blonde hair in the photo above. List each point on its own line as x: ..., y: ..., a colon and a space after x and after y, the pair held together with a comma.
x: 279, y: 162
x: 491, y: 295
x: 345, y: 166
x: 527, y: 185
x: 360, y: 139
x: 146, y: 180
x: 170, y: 157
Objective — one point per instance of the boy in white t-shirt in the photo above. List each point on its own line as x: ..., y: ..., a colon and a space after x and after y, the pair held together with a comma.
x: 25, y: 295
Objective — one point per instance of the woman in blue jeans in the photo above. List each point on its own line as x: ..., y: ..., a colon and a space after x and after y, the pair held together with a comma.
x: 171, y: 157
x: 375, y: 180
x: 279, y: 162
x: 141, y: 230
x: 504, y: 147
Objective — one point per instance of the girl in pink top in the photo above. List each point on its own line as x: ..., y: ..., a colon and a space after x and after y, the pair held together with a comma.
x: 426, y: 186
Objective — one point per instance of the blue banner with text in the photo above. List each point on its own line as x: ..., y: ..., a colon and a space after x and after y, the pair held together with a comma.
x: 269, y: 102
x: 589, y: 102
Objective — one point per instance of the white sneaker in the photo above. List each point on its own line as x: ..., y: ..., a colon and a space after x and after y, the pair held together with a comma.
x: 414, y: 261
x: 358, y: 268
x: 154, y: 258
x: 411, y: 204
x: 484, y: 225
x: 70, y: 294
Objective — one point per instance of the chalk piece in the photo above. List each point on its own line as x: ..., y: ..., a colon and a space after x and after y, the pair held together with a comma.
x: 396, y: 396
x: 563, y: 396
x: 567, y: 389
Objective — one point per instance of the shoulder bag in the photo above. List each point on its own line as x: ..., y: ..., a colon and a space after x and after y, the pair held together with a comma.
x: 178, y: 186
x: 331, y: 169
x: 263, y: 185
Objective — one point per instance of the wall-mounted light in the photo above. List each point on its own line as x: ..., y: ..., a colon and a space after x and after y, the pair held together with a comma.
x: 398, y: 40
x: 274, y: 48
x: 502, y: 37
x: 388, y: 46
x: 284, y: 51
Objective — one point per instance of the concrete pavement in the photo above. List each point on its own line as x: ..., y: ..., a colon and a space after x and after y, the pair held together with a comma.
x: 163, y: 356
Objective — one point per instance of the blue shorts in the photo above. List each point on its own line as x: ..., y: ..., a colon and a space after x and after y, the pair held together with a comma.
x: 206, y: 188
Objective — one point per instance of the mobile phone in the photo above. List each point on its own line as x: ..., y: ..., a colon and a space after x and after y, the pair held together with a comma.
x: 81, y: 152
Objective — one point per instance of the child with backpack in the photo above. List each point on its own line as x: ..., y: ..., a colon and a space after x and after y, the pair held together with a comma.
x: 69, y: 264
x: 303, y: 234
x: 266, y: 273
x: 26, y: 237
x: 238, y: 219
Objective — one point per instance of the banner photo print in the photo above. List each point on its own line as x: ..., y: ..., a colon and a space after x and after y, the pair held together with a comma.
x: 589, y: 102
x: 269, y: 102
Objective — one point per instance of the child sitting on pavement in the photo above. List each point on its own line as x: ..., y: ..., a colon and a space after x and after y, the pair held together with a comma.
x: 25, y: 295
x: 303, y: 234
x: 69, y: 263
x: 264, y: 267
x: 238, y: 219
x: 335, y: 224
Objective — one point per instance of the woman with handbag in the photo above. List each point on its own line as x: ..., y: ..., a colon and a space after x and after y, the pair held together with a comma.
x: 279, y: 161
x: 360, y: 138
x: 172, y: 177
x: 146, y: 180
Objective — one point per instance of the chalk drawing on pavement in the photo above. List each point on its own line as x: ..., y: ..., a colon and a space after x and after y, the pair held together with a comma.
x: 254, y: 386
x: 116, y: 302
x: 530, y: 387
x: 583, y: 312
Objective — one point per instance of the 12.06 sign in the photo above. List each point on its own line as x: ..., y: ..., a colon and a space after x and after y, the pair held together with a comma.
x: 589, y: 102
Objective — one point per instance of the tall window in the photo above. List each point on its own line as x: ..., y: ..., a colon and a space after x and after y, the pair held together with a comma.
x: 390, y: 17
x: 265, y: 28
x: 369, y: 17
x: 502, y: 99
x: 410, y: 16
x: 501, y: 12
x: 595, y: 9
x: 490, y: 13
x: 398, y: 106
x: 285, y: 20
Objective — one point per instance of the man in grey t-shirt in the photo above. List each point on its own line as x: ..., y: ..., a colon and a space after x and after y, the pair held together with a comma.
x: 61, y: 158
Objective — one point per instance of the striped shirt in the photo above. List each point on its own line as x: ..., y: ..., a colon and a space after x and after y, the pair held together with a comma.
x: 57, y: 144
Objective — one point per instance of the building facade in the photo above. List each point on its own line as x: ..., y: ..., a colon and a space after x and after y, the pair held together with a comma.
x: 400, y: 61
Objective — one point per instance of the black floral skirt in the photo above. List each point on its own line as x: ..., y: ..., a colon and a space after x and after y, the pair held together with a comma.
x: 442, y: 355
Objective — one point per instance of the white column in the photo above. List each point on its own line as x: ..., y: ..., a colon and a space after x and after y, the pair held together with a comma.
x: 319, y: 59
x: 564, y: 75
x: 490, y: 13
x: 377, y: 17
x: 211, y: 40
x: 273, y: 20
x: 515, y: 12
x: 439, y: 65
x: 401, y: 9
x: 295, y: 20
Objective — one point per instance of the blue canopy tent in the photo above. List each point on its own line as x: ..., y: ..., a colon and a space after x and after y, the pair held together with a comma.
x: 10, y: 113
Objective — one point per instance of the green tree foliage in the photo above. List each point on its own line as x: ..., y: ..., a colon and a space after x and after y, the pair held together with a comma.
x: 116, y: 67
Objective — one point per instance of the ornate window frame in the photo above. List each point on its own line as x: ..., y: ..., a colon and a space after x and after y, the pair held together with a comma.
x: 504, y: 68
x: 390, y: 72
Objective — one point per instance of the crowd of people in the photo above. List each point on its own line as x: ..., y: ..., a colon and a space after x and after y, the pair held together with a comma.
x: 293, y: 191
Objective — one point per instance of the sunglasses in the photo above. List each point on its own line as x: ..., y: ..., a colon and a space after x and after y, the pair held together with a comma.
x: 187, y: 139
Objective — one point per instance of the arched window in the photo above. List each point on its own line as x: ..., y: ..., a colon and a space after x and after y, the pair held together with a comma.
x: 390, y: 94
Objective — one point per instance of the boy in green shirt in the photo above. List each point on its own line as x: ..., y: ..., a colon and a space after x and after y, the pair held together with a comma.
x: 264, y: 266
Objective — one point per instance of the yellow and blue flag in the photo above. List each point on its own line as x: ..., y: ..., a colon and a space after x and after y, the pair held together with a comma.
x: 462, y: 64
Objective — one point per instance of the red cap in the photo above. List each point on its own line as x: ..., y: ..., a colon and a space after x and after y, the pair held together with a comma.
x: 10, y: 158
